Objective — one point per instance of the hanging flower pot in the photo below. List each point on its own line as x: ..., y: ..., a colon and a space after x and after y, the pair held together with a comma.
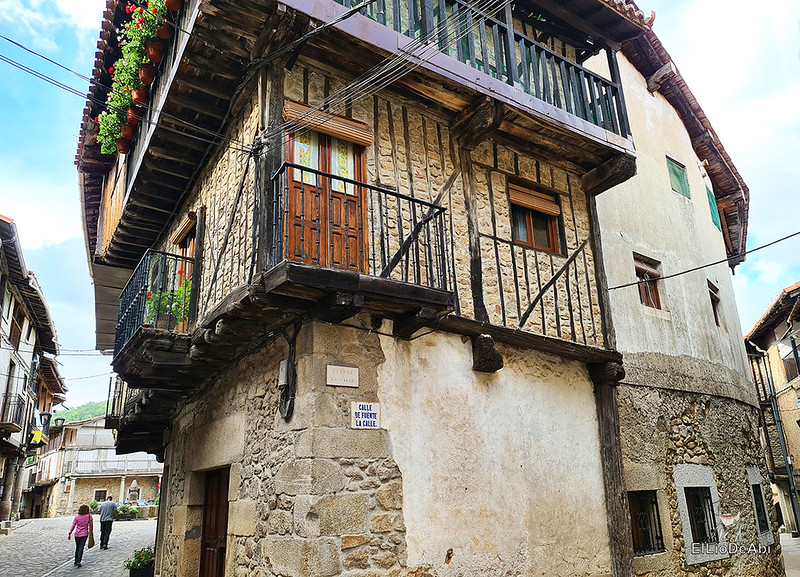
x: 127, y: 131
x: 173, y: 5
x: 164, y: 31
x: 139, y: 95
x: 133, y: 114
x: 147, y: 73
x: 155, y: 51
x: 123, y: 146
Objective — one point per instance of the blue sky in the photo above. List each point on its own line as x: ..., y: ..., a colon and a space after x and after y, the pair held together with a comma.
x: 742, y: 63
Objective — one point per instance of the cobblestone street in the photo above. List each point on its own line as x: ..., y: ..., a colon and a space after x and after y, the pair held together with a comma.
x: 39, y: 548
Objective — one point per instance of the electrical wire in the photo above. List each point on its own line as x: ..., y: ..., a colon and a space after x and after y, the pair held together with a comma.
x: 701, y: 267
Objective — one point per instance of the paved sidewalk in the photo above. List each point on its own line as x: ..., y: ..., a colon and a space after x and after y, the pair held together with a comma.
x: 39, y: 548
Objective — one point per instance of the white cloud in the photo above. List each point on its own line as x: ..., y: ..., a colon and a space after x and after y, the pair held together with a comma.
x: 38, y: 23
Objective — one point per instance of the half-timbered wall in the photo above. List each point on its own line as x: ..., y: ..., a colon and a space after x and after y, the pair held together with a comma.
x: 415, y: 154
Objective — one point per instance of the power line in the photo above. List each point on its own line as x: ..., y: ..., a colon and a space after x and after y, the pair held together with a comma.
x: 724, y: 260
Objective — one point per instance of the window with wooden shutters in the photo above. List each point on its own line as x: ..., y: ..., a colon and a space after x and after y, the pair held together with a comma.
x: 645, y: 523
x: 534, y: 218
x: 647, y: 274
x: 17, y: 320
x: 702, y: 519
x: 712, y: 205
x: 678, y: 178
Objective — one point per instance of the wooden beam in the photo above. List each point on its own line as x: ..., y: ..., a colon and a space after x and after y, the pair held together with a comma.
x: 473, y: 234
x: 406, y: 326
x: 606, y: 377
x: 477, y: 122
x: 609, y: 174
x: 338, y: 306
x: 485, y: 356
x: 217, y: 66
x: 199, y: 105
x: 655, y: 80
x: 206, y: 87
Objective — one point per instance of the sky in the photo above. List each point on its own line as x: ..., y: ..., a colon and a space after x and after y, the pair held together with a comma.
x: 740, y: 59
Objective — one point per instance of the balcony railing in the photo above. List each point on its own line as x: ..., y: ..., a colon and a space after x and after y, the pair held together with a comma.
x: 158, y: 294
x: 488, y: 42
x: 335, y: 222
x: 12, y: 412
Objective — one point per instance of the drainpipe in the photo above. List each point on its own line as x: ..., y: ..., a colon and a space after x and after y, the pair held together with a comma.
x: 776, y: 415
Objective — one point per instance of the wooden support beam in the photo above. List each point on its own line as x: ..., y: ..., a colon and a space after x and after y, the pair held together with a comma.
x: 655, y: 80
x: 199, y: 105
x: 477, y: 122
x: 606, y: 377
x: 217, y: 66
x: 609, y: 174
x: 406, y: 326
x: 206, y: 87
x: 174, y: 155
x: 338, y: 306
x: 473, y: 234
x: 485, y: 356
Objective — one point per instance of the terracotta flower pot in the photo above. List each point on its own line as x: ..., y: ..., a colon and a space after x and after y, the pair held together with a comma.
x: 133, y: 114
x: 139, y: 95
x: 147, y: 73
x: 173, y: 5
x: 155, y: 51
x: 123, y: 146
x: 127, y: 131
x: 164, y: 31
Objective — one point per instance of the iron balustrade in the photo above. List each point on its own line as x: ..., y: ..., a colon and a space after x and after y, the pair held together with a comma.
x: 336, y: 222
x: 158, y: 294
x: 489, y: 43
x: 13, y: 410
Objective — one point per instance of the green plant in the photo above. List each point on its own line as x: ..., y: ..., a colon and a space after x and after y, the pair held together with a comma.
x: 158, y: 305
x: 181, y: 299
x: 133, y: 511
x: 134, y: 37
x: 123, y: 509
x: 141, y: 558
x: 93, y: 505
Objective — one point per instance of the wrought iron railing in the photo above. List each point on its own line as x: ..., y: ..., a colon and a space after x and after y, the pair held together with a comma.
x: 158, y: 294
x: 542, y: 292
x: 488, y: 42
x: 12, y: 413
x: 335, y: 222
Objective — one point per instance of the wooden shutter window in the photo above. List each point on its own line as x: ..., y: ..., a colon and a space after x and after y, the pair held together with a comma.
x: 327, y: 123
x: 540, y: 202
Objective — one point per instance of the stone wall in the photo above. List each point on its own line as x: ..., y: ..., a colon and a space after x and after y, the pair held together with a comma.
x: 662, y: 429
x: 312, y: 497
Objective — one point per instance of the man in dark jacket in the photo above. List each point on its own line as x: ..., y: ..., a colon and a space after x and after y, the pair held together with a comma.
x: 107, y: 510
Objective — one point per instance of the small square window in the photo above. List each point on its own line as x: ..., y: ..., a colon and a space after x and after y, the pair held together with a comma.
x: 701, y: 515
x: 647, y: 274
x: 100, y: 495
x: 534, y: 218
x: 645, y: 523
x: 713, y: 294
x: 678, y: 178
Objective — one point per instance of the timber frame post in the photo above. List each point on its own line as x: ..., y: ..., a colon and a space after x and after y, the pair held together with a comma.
x: 471, y: 127
x: 268, y: 162
x: 606, y: 378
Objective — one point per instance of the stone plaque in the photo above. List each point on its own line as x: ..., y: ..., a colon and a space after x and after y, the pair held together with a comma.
x: 339, y: 376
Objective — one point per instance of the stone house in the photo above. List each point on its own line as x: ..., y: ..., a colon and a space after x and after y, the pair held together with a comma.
x: 694, y: 468
x: 351, y: 273
x: 80, y: 465
x: 774, y: 360
x: 30, y: 383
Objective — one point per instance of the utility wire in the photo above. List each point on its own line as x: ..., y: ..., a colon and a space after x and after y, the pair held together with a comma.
x: 724, y: 260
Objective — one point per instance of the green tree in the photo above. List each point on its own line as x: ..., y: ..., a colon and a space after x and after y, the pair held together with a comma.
x: 82, y: 412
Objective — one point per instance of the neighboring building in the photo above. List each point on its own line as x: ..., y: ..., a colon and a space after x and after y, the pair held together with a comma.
x: 775, y: 363
x: 29, y: 381
x: 377, y: 336
x: 694, y: 470
x: 79, y: 465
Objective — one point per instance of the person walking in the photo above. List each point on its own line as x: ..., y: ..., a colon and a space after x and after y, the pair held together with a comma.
x: 83, y: 526
x: 107, y: 511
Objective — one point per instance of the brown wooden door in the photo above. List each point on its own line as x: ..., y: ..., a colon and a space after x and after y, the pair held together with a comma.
x: 215, y: 524
x: 326, y: 215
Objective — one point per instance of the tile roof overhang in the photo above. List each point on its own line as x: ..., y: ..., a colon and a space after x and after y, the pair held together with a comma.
x: 777, y: 313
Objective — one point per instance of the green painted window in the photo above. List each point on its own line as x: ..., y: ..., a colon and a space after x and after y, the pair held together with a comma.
x: 712, y: 204
x: 678, y: 178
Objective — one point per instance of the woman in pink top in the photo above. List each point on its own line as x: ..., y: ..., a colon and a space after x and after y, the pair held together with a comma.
x: 82, y: 525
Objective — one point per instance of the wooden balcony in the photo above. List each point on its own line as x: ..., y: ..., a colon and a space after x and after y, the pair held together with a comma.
x: 12, y: 413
